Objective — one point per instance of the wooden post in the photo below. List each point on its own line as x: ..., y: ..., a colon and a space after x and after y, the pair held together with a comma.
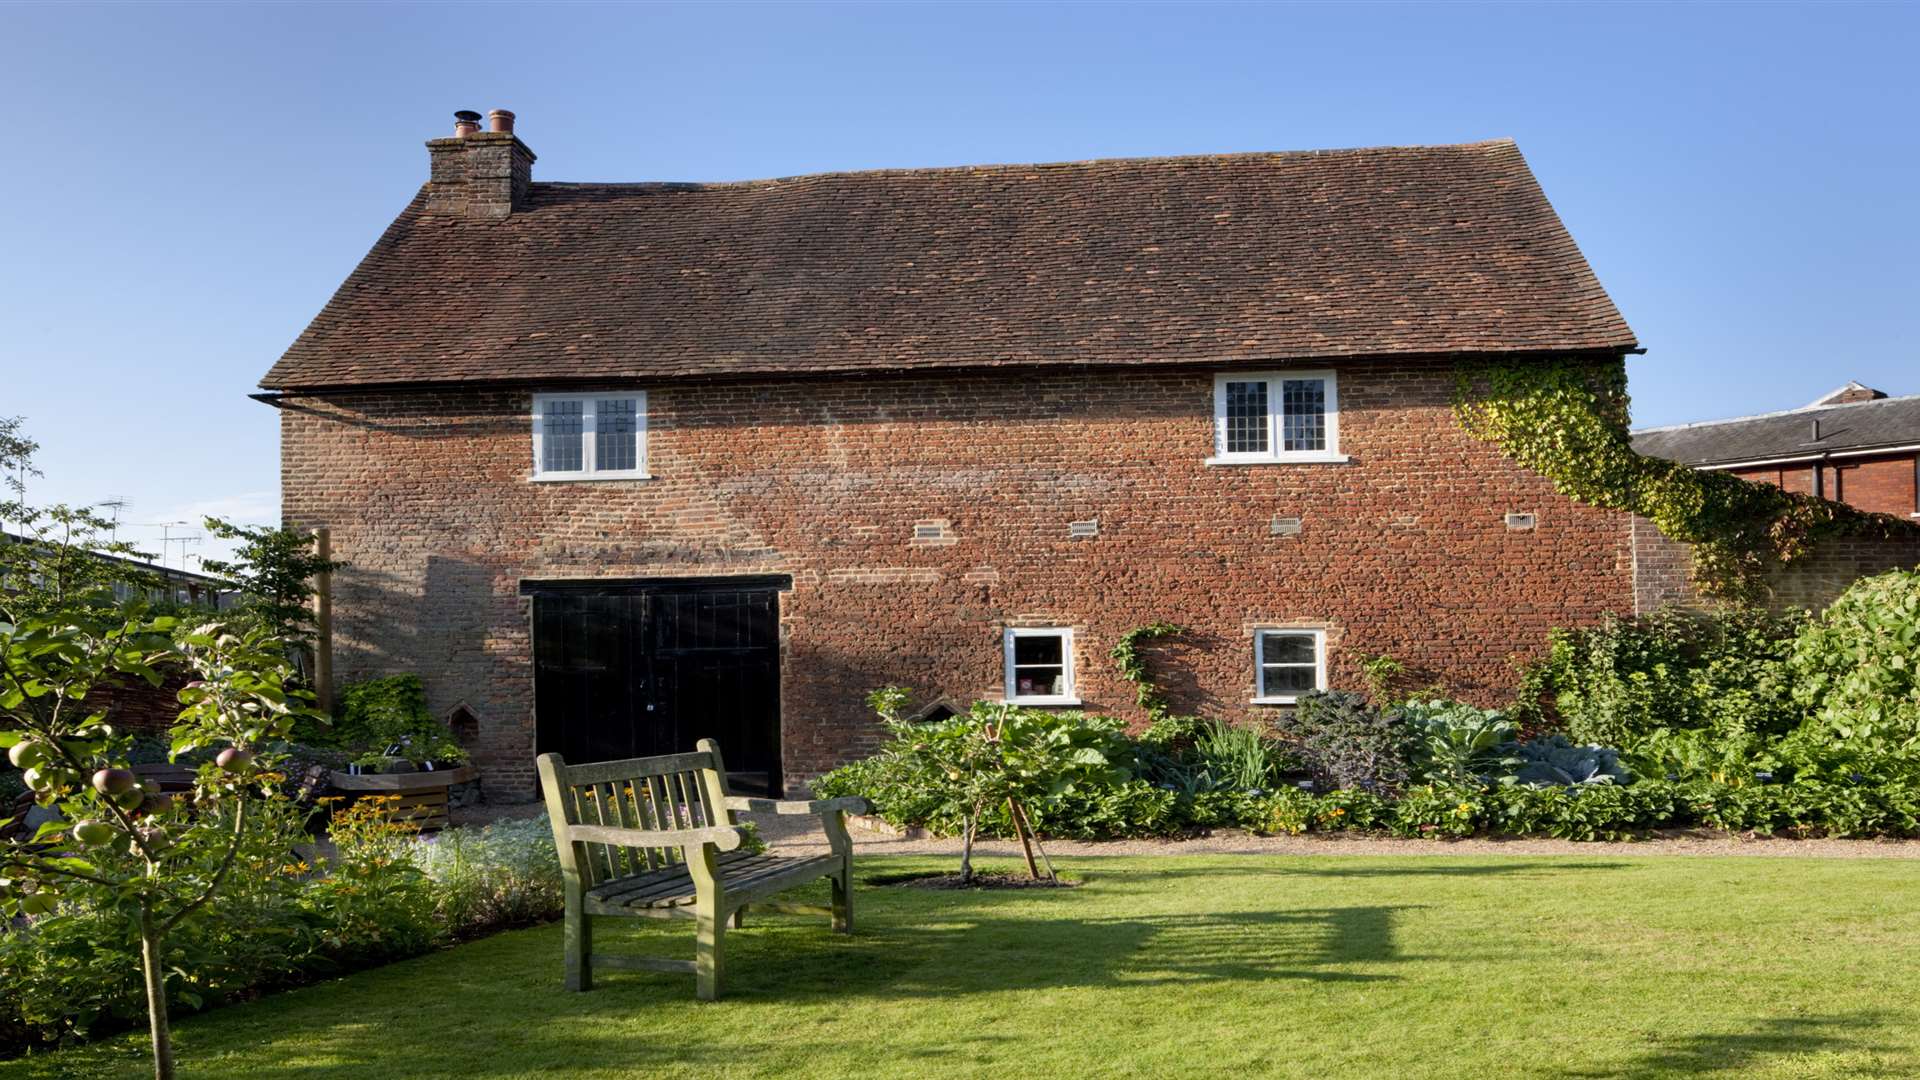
x: 323, y: 623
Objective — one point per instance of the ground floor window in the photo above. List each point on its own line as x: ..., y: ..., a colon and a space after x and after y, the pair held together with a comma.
x: 1288, y: 662
x: 1039, y: 664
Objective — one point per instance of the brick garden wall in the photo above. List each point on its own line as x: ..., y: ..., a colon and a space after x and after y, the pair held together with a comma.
x: 1404, y: 550
x: 1663, y: 569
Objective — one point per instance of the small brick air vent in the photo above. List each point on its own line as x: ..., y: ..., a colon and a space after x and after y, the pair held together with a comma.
x: 1519, y: 522
x: 1082, y: 529
x: 933, y: 532
x: 1286, y: 526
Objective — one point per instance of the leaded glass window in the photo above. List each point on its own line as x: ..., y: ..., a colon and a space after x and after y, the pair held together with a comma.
x: 590, y: 436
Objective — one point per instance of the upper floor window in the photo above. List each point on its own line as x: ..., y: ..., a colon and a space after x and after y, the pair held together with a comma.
x: 1288, y: 663
x: 1040, y: 666
x: 1276, y: 416
x: 590, y: 436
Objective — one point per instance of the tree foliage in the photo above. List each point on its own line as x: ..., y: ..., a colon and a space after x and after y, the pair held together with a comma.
x: 113, y: 845
x: 273, y: 573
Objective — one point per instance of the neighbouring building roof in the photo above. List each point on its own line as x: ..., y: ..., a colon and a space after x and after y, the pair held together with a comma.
x: 1243, y: 257
x: 1851, y: 427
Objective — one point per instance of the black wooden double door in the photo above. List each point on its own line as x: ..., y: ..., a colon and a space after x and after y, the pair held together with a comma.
x: 637, y: 669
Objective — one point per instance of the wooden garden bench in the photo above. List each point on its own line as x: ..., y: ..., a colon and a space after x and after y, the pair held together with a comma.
x: 658, y: 838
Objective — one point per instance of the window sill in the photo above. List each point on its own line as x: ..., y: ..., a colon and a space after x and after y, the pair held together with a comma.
x: 1274, y: 701
x: 1043, y: 701
x: 574, y: 478
x: 1287, y: 459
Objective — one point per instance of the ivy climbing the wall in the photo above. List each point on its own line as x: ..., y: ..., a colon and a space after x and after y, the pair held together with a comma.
x: 1568, y: 422
x: 1132, y: 665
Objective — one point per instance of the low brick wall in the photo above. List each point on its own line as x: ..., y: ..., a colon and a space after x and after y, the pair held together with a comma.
x: 1663, y: 570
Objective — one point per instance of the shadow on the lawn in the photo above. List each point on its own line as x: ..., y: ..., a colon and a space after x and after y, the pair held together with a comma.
x: 788, y: 961
x: 1154, y: 880
x: 1773, y: 1038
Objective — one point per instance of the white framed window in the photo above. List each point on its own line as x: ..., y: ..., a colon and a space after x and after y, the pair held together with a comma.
x: 590, y: 436
x: 1040, y: 666
x: 1276, y: 416
x: 1288, y: 661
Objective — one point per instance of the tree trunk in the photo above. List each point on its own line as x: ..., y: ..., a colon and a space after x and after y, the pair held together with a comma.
x: 1026, y: 842
x: 967, y: 830
x: 156, y: 998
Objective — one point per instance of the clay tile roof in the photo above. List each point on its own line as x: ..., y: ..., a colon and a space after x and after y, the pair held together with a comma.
x: 1224, y: 259
x: 1849, y: 427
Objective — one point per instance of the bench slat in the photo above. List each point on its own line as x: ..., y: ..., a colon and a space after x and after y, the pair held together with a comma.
x: 601, y: 772
x: 756, y: 875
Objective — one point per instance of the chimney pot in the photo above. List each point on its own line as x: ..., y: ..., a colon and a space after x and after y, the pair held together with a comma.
x: 466, y: 122
x: 500, y: 120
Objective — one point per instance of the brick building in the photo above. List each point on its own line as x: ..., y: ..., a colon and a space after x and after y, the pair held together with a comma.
x: 1855, y: 445
x: 619, y: 465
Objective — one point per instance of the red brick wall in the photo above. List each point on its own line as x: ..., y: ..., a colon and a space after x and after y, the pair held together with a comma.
x: 1881, y: 484
x: 1404, y: 550
x: 1663, y: 570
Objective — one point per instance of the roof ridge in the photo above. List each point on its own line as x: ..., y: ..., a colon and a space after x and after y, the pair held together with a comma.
x: 1011, y: 166
x: 1770, y: 415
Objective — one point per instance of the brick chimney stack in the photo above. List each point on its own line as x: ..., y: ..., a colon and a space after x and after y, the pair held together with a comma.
x: 479, y: 175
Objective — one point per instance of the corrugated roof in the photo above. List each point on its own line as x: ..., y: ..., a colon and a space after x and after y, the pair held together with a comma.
x: 1223, y: 259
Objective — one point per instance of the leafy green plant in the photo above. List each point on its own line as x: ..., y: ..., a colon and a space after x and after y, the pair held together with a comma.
x: 1347, y: 743
x: 384, y: 724
x: 1551, y: 759
x: 1462, y: 744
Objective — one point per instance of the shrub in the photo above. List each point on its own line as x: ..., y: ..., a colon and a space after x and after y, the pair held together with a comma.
x: 1856, y: 667
x: 1351, y: 809
x: 383, y: 721
x: 1347, y: 743
x: 1290, y: 812
x: 373, y: 903
x: 503, y: 874
x: 1615, y: 683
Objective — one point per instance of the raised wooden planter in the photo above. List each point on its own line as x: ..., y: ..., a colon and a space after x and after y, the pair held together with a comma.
x: 422, y: 795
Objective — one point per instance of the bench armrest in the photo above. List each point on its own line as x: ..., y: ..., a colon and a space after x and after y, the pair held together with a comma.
x: 851, y: 804
x: 724, y: 837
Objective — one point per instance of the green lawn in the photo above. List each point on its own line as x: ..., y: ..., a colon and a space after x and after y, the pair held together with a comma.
x: 1251, y: 966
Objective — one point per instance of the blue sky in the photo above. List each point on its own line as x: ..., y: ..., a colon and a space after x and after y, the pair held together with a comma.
x: 184, y: 185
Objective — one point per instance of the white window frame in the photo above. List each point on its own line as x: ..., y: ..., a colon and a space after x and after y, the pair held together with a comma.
x: 588, y: 439
x: 1065, y: 634
x: 1319, y: 635
x: 1273, y: 455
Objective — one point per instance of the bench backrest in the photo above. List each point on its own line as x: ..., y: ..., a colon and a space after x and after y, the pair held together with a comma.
x: 673, y: 791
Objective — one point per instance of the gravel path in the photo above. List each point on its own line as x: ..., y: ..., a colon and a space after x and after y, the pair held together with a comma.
x: 803, y: 834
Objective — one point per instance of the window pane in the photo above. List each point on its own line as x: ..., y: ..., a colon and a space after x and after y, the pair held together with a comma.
x: 560, y: 437
x: 1285, y: 681
x: 1280, y: 648
x: 1304, y: 406
x: 1246, y: 418
x: 1042, y: 649
x: 1038, y: 681
x: 614, y: 422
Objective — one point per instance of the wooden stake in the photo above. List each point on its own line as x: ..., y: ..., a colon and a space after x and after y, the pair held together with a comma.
x: 323, y: 623
x: 1020, y: 830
